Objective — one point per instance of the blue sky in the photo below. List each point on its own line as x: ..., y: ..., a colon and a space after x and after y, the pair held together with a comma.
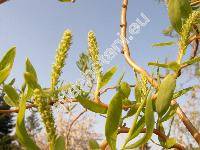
x: 36, y: 26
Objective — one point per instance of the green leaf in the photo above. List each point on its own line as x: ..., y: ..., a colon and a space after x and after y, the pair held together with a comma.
x: 170, y: 142
x: 21, y: 132
x: 31, y: 80
x: 169, y: 114
x: 12, y: 94
x: 134, y: 124
x: 125, y: 89
x: 113, y: 119
x: 165, y: 94
x: 182, y: 92
x: 149, y: 121
x: 8, y: 58
x: 5, y: 73
x: 159, y: 126
x: 192, y: 61
x: 59, y: 143
x: 91, y: 105
x: 93, y: 145
x: 9, y: 101
x: 177, y: 11
x: 30, y: 69
x: 163, y: 44
x: 107, y: 76
x: 138, y: 128
x: 171, y: 65
x: 158, y: 64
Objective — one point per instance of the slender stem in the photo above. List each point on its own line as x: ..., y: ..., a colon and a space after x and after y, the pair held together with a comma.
x: 72, y: 123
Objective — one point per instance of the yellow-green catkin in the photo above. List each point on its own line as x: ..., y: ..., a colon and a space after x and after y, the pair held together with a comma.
x: 61, y: 54
x: 185, y: 32
x: 93, y: 51
x: 47, y: 116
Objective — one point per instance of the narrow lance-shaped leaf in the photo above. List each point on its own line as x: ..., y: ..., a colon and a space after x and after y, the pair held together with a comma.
x: 163, y: 44
x: 125, y: 89
x: 30, y: 68
x: 12, y: 95
x: 132, y: 130
x: 169, y: 114
x: 91, y: 105
x: 8, y: 58
x: 21, y: 132
x: 31, y: 81
x: 138, y: 128
x: 5, y: 73
x: 165, y: 94
x: 182, y: 92
x: 171, y: 65
x: 113, y: 118
x: 177, y: 11
x: 149, y: 121
x: 107, y: 76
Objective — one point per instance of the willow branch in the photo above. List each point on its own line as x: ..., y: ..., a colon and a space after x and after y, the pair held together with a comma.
x: 155, y: 131
x: 123, y: 27
x: 125, y: 46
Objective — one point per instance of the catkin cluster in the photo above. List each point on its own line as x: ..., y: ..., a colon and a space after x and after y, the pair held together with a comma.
x: 186, y: 28
x: 61, y: 54
x: 46, y: 114
x: 94, y: 51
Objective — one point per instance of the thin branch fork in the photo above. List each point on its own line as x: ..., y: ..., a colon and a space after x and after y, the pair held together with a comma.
x: 155, y: 131
x: 123, y: 27
x: 72, y: 123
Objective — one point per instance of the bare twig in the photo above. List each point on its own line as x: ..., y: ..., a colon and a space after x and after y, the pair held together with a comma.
x: 72, y: 123
x: 111, y: 88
